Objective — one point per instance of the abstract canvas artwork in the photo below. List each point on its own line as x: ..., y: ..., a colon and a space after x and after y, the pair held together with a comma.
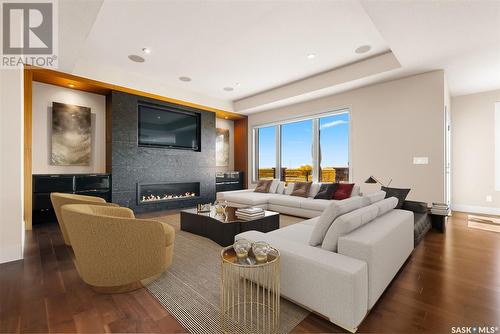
x: 222, y: 147
x: 71, y: 135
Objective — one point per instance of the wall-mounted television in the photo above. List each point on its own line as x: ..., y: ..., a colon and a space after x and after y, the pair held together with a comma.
x: 168, y: 127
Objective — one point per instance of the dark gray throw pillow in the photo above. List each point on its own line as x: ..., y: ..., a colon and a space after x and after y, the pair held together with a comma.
x: 399, y: 193
x: 326, y: 191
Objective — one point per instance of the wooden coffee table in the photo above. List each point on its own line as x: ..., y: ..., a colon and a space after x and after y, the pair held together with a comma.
x: 223, y: 228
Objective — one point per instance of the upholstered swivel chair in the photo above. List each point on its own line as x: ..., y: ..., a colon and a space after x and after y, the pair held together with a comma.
x: 114, y: 251
x: 60, y: 199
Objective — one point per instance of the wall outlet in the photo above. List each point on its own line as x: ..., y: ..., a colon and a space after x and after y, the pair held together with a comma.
x: 489, y: 198
x: 420, y: 160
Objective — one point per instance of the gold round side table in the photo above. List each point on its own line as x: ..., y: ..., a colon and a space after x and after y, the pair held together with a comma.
x: 250, y: 293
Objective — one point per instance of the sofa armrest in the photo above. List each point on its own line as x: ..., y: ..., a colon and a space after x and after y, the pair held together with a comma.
x: 331, y: 284
x: 384, y: 244
x: 414, y: 206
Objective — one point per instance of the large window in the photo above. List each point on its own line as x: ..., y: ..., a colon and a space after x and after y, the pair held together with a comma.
x: 266, y: 156
x: 296, y: 151
x: 334, y: 148
x: 312, y: 149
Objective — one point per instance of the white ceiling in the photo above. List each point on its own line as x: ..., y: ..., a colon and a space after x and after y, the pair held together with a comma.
x: 264, y: 44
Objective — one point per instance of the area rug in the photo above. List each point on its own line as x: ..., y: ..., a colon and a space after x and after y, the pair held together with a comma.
x: 190, y: 288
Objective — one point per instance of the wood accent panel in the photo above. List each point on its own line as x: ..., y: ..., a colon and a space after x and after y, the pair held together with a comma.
x: 451, y: 279
x: 241, y: 148
x: 28, y: 124
x: 93, y: 86
x: 109, y: 133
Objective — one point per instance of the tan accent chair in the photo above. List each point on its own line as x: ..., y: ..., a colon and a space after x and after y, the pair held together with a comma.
x: 114, y: 251
x: 60, y: 199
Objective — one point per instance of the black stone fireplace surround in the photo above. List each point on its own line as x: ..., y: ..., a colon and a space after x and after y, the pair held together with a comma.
x: 132, y: 165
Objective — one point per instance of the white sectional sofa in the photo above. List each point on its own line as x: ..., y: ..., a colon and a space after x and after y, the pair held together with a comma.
x: 343, y: 276
x: 280, y: 201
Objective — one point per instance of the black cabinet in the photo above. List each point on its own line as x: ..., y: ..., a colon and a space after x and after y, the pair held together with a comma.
x: 226, y: 181
x: 83, y: 184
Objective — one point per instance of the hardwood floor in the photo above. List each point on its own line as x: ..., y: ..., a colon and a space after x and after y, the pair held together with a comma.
x: 451, y: 279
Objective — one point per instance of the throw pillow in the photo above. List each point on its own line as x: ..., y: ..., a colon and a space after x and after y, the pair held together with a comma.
x: 332, y: 211
x: 301, y: 189
x: 347, y: 223
x: 374, y: 197
x: 343, y: 191
x: 289, y: 188
x: 314, y: 189
x: 281, y: 188
x: 399, y: 193
x: 326, y: 191
x: 274, y: 186
x: 263, y: 186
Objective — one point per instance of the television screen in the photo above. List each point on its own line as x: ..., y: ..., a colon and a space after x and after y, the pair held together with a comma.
x: 168, y: 127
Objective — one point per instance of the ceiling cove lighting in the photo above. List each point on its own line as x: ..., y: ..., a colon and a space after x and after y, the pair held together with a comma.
x: 363, y: 49
x: 146, y: 50
x: 311, y: 56
x: 71, y: 85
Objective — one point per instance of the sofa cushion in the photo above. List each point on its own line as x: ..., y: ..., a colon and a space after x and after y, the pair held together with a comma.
x: 315, y: 204
x: 348, y: 223
x: 311, y: 221
x: 374, y: 197
x: 285, y: 200
x: 249, y: 198
x: 386, y: 205
x: 356, y: 191
x: 399, y: 193
x: 301, y: 189
x: 297, y: 232
x: 274, y: 186
x: 263, y: 186
x: 343, y: 191
x: 332, y: 211
x: 326, y: 191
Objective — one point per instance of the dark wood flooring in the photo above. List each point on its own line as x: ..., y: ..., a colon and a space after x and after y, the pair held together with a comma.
x: 451, y: 279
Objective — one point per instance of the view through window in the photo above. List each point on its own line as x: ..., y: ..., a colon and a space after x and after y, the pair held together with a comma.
x: 315, y: 149
x: 266, y: 153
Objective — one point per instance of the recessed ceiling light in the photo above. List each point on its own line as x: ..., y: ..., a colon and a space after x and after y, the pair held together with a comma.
x: 237, y: 84
x: 71, y: 85
x: 228, y: 89
x: 146, y: 50
x: 185, y: 79
x: 136, y: 58
x: 311, y: 56
x: 226, y: 117
x: 363, y: 49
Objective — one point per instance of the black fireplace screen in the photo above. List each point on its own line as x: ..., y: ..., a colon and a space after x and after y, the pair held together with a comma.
x: 161, y: 192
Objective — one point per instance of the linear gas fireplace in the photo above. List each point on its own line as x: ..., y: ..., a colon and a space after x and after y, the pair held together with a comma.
x: 149, y: 193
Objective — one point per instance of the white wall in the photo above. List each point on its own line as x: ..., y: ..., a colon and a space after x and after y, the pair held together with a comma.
x: 473, y: 153
x: 43, y: 96
x: 11, y: 166
x: 227, y: 124
x: 391, y: 123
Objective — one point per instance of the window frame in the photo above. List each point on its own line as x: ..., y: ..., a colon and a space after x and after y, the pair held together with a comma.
x: 315, y: 142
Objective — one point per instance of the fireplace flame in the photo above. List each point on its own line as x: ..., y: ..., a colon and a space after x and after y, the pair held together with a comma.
x: 152, y: 198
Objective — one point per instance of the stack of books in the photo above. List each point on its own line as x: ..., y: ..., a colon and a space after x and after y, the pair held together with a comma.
x: 441, y: 209
x: 250, y: 213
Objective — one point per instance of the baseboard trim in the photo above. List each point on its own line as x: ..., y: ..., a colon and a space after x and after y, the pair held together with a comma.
x: 475, y: 209
x: 11, y: 253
